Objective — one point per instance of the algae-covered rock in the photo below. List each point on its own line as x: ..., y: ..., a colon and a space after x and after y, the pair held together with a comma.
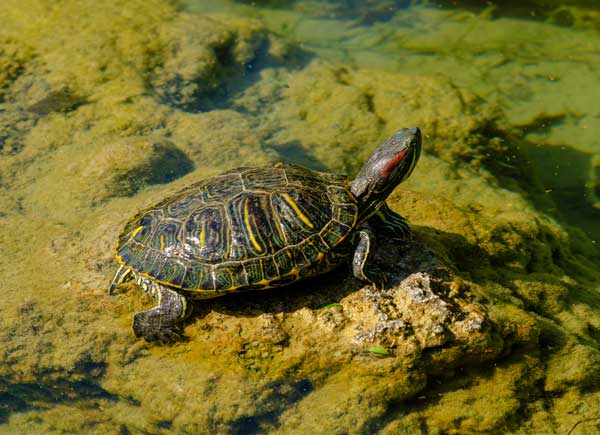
x: 562, y: 373
x: 14, y: 125
x: 14, y: 55
x: 374, y: 341
x: 200, y: 53
x: 57, y: 100
x: 350, y: 109
x: 594, y: 182
x: 119, y: 167
x: 126, y: 165
x: 221, y: 139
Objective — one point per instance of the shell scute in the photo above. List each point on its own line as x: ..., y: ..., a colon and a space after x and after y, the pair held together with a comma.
x: 345, y: 213
x: 283, y: 260
x: 223, y: 187
x: 167, y: 237
x: 269, y: 267
x: 333, y: 231
x: 197, y: 274
x: 207, y: 235
x: 223, y: 278
x: 173, y: 271
x: 300, y: 213
x: 253, y: 271
x: 260, y: 178
x: 254, y: 227
x: 298, y: 257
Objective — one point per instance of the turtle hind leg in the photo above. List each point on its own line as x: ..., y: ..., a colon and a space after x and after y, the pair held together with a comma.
x: 163, y: 322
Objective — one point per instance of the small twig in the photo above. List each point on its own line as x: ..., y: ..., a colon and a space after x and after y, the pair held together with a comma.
x: 585, y: 420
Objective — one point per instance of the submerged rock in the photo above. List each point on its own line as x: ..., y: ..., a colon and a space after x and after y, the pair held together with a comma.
x: 200, y: 54
x: 58, y: 100
x: 127, y: 165
x: 87, y: 176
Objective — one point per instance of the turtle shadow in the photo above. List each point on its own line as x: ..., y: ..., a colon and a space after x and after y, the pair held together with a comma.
x: 444, y: 256
x: 398, y: 258
x: 313, y: 293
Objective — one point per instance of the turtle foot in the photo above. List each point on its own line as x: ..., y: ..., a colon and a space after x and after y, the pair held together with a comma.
x: 154, y: 327
x: 162, y: 323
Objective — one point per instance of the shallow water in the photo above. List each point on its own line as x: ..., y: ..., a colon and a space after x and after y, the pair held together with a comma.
x: 537, y: 65
x: 106, y: 108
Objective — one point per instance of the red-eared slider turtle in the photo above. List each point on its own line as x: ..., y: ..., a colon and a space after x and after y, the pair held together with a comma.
x: 257, y: 228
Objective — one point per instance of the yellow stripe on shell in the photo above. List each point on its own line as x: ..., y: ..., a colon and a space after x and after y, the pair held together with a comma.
x: 249, y: 228
x: 137, y: 230
x: 297, y: 210
x: 203, y: 234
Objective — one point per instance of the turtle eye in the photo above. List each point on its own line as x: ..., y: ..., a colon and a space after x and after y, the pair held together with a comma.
x: 413, y: 143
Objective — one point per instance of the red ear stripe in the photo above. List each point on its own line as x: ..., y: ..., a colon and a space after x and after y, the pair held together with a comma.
x: 389, y: 167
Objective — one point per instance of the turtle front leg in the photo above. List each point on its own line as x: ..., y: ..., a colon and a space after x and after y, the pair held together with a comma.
x: 362, y: 255
x: 163, y: 322
x: 390, y: 221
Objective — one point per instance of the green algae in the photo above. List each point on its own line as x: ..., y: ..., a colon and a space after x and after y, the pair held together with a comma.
x: 96, y: 125
x: 13, y: 57
x: 378, y: 350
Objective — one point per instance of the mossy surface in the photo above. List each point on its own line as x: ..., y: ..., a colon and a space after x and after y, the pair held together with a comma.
x: 490, y: 323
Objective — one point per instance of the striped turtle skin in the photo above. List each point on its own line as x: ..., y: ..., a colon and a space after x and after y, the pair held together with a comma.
x: 257, y: 228
x: 249, y: 228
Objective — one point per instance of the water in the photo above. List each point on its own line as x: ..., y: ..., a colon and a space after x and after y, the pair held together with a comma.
x: 106, y: 108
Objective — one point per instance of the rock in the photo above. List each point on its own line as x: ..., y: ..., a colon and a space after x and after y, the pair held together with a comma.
x: 220, y: 140
x: 89, y: 176
x: 129, y: 164
x: 57, y: 100
x: 14, y: 126
x: 418, y: 312
x: 201, y: 53
x: 13, y: 57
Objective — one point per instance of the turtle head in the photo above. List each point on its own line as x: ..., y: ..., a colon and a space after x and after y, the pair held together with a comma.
x: 390, y: 164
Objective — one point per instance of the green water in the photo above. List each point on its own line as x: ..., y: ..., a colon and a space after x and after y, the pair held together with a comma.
x: 106, y: 107
x: 538, y: 65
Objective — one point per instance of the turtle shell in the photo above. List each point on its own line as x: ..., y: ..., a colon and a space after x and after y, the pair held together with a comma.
x: 248, y: 228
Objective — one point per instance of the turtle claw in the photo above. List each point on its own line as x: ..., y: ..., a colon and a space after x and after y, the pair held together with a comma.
x: 377, y: 278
